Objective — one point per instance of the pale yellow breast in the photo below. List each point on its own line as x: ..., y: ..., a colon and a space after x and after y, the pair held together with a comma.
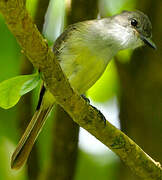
x: 84, y: 56
x: 82, y: 68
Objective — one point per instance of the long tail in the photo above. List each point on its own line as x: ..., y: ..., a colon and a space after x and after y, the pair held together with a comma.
x: 31, y: 133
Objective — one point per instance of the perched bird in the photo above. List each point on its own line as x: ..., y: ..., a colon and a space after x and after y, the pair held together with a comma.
x: 83, y: 50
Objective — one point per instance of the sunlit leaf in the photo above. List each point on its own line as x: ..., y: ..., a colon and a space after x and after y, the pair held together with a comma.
x: 12, y: 89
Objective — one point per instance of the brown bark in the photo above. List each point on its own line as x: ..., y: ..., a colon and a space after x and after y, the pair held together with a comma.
x: 82, y: 10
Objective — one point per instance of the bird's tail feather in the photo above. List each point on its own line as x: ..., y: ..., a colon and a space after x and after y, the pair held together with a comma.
x: 26, y: 143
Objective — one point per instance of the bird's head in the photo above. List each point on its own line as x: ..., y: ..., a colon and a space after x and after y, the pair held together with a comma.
x: 134, y: 29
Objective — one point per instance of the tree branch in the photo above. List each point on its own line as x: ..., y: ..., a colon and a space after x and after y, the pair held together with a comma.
x: 42, y: 57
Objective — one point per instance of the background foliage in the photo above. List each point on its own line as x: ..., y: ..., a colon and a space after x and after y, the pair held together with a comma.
x: 133, y: 80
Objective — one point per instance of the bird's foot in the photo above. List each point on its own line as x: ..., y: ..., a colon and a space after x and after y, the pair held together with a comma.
x: 100, y: 114
x: 98, y: 111
x: 85, y: 98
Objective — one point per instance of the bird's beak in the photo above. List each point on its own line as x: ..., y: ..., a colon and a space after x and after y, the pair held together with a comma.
x: 148, y: 42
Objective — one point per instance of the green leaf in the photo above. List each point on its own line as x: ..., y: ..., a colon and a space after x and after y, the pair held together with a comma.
x: 12, y: 89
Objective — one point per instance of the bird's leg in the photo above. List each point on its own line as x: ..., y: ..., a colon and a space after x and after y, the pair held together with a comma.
x: 85, y: 98
x: 99, y: 114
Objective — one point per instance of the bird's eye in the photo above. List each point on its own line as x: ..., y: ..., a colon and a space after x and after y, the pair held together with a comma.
x: 134, y: 22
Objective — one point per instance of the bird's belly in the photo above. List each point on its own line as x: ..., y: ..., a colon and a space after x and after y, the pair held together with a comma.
x: 83, y: 70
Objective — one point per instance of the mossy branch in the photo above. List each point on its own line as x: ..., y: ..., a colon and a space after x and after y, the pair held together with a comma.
x: 36, y: 49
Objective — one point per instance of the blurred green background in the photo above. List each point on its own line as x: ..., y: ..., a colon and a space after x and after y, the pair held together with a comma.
x: 129, y: 94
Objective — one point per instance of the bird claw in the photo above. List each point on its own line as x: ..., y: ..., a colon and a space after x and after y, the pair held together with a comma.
x: 85, y: 98
x: 98, y: 111
x: 100, y: 114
